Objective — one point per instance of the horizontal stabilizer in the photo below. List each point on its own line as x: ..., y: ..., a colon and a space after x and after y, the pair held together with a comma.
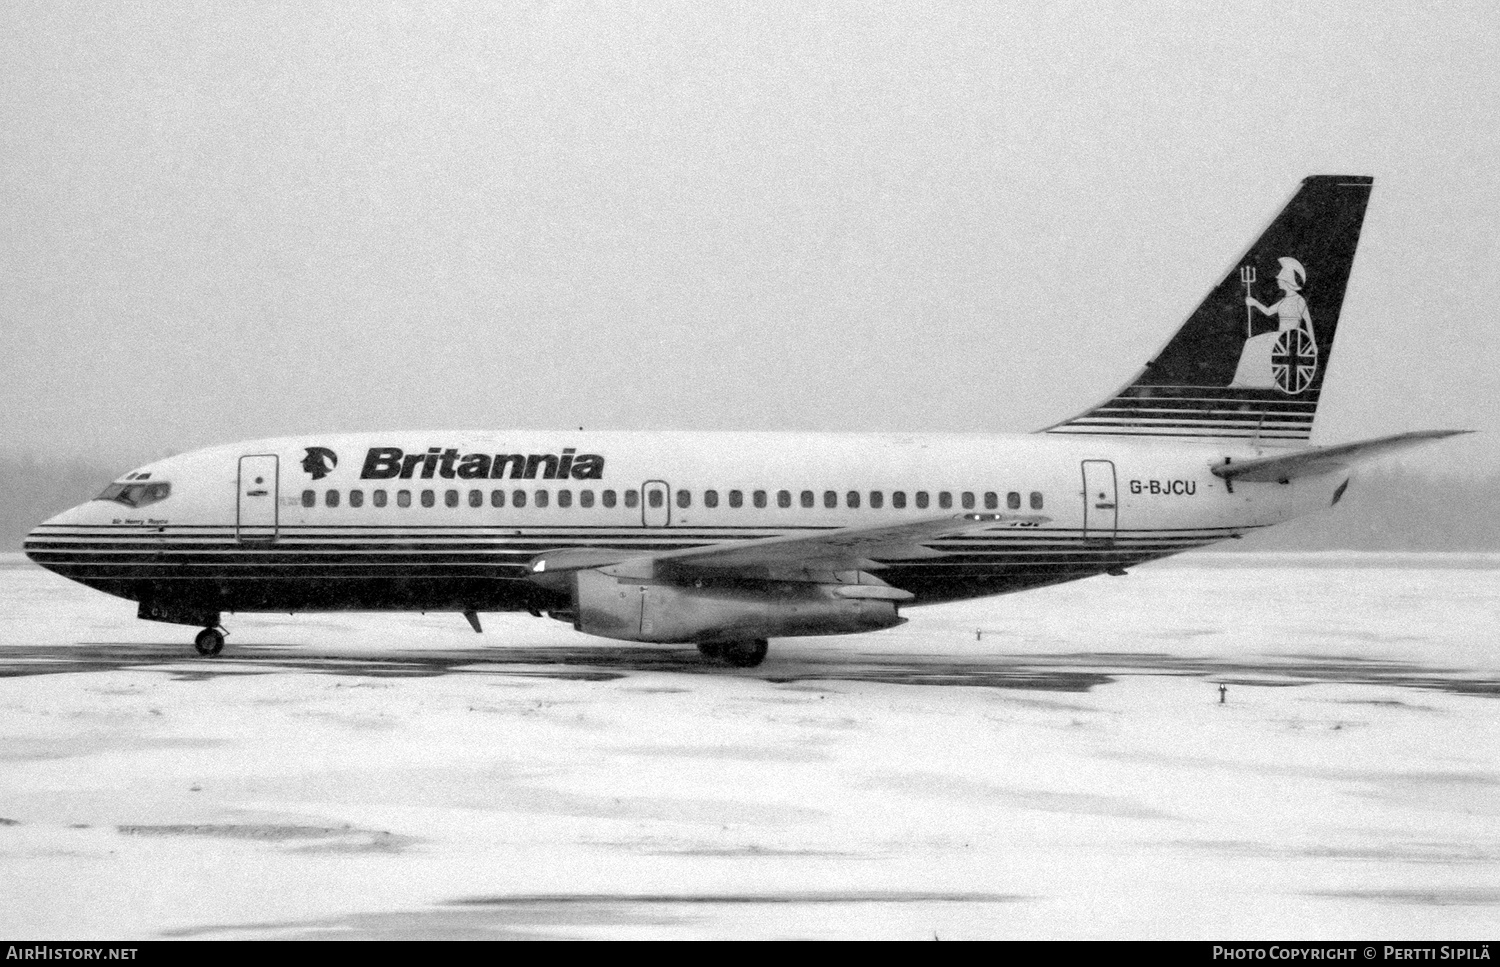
x: 1308, y: 463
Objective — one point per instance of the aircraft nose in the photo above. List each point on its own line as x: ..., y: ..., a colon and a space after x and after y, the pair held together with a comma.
x: 42, y: 541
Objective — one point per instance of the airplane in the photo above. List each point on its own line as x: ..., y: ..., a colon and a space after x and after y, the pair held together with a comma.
x: 726, y: 540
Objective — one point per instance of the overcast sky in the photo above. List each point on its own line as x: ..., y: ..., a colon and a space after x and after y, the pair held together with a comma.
x: 225, y: 221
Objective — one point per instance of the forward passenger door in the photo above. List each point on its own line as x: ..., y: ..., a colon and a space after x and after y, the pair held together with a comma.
x: 259, y: 481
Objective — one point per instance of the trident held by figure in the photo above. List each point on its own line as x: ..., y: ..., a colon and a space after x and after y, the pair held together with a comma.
x: 1247, y: 276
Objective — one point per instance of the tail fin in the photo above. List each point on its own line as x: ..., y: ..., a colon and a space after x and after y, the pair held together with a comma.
x: 1241, y: 371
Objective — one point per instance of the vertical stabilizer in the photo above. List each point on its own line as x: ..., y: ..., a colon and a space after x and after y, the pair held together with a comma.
x: 1249, y: 362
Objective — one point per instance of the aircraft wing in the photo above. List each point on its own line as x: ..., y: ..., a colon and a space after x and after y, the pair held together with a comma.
x: 1317, y: 460
x: 846, y: 548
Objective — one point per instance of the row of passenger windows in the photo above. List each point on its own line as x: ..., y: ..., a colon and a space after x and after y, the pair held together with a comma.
x: 831, y: 499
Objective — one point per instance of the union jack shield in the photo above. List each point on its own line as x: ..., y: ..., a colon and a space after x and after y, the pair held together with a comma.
x: 1294, y: 361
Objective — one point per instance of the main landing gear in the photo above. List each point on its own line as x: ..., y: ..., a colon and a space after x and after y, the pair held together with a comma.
x: 736, y: 654
x: 210, y: 642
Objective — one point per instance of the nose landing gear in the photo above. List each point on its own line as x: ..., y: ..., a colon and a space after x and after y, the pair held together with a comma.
x: 210, y: 642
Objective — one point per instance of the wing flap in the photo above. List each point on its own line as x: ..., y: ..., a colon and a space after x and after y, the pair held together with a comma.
x: 1320, y: 460
x: 859, y: 548
x: 843, y: 549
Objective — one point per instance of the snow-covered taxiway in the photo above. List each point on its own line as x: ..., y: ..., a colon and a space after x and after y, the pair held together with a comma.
x: 1052, y: 764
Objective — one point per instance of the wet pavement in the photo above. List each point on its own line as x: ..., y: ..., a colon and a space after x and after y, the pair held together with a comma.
x: 546, y: 916
x: 1056, y: 672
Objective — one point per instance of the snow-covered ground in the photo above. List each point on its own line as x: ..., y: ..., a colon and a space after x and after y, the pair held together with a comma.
x: 1050, y: 764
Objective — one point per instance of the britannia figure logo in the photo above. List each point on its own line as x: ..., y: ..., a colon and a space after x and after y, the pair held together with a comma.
x: 1287, y: 358
x: 319, y: 462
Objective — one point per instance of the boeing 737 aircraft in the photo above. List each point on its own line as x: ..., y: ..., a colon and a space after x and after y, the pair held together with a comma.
x: 724, y: 540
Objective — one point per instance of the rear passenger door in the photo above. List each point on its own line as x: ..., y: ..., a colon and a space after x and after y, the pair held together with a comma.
x: 1100, y: 507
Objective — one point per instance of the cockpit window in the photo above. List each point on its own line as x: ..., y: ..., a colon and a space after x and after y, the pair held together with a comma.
x: 136, y: 494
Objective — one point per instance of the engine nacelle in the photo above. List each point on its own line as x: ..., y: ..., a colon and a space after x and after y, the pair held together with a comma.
x: 631, y: 609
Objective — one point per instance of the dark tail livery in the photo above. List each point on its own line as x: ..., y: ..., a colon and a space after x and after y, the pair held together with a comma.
x: 1249, y: 362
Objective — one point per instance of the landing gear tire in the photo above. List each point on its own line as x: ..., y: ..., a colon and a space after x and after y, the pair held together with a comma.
x: 737, y: 654
x: 210, y: 642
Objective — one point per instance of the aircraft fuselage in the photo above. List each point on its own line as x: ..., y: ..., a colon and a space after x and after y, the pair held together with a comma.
x: 449, y: 521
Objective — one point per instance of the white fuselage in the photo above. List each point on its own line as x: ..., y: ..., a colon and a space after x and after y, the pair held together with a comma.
x: 449, y: 520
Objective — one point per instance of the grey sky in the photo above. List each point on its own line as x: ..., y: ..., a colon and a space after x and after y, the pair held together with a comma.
x: 224, y: 221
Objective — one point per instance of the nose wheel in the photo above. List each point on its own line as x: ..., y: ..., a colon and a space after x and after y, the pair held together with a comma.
x: 210, y: 642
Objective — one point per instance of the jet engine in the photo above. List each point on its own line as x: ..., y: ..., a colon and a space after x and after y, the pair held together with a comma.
x: 704, y: 610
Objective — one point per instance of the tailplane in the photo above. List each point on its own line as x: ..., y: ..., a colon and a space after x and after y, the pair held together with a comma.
x: 1249, y: 362
x: 1320, y: 460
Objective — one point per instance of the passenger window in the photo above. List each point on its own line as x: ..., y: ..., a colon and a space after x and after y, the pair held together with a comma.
x: 632, y: 500
x: 518, y: 498
x: 609, y: 498
x: 497, y: 498
x: 331, y: 498
x: 541, y: 498
x: 807, y: 498
x: 1013, y: 500
x: 450, y: 498
x: 1036, y: 500
x: 783, y: 498
x: 356, y: 498
x: 877, y: 499
x: 968, y: 500
x: 565, y: 498
x: 710, y: 498
x: 684, y: 498
x: 476, y: 498
x: 898, y: 499
x: 830, y: 499
x: 852, y: 499
x: 922, y: 500
x: 991, y: 500
x: 736, y: 498
x: 309, y: 498
x: 654, y: 498
x: 760, y: 498
x: 945, y: 500
x: 403, y: 498
x: 379, y: 498
x: 428, y: 498
x: 586, y: 498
